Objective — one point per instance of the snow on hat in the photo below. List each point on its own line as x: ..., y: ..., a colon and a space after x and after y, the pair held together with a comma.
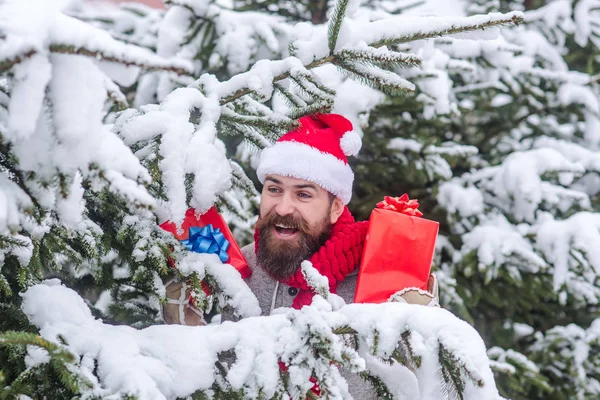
x: 315, y: 152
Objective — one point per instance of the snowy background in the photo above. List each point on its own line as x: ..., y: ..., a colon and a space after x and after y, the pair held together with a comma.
x: 113, y: 120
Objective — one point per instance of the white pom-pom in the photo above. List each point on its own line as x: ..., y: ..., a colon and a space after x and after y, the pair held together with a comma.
x: 351, y: 143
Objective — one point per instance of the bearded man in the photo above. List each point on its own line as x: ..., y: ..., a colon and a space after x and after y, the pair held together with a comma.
x: 307, y: 184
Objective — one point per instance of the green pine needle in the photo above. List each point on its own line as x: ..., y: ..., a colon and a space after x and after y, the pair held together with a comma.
x: 386, y: 81
x: 451, y: 372
x: 292, y: 100
x: 405, y: 339
x: 7, y: 64
x: 344, y: 330
x: 335, y: 24
x: 381, y: 389
x: 386, y: 59
x: 389, y: 41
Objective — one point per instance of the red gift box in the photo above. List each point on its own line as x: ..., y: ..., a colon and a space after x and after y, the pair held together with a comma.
x: 398, y: 251
x: 211, y: 217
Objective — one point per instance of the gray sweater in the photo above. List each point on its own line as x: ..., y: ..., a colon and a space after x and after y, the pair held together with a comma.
x: 272, y: 295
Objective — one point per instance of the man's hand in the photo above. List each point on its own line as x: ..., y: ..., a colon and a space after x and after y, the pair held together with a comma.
x: 177, y: 309
x: 419, y: 296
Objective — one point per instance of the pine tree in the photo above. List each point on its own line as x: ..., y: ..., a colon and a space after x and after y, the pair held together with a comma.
x: 501, y: 144
x: 84, y: 192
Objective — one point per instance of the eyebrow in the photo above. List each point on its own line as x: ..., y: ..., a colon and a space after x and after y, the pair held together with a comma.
x: 302, y: 186
x: 306, y: 186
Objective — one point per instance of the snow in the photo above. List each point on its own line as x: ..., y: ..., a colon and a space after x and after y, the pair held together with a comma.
x: 507, y: 359
x: 518, y: 181
x: 165, y: 362
x: 546, y: 187
x: 466, y: 201
x: 36, y: 356
x: 498, y: 245
x: 402, y: 145
x: 31, y: 78
x: 240, y: 297
x: 12, y: 198
x: 522, y: 330
x: 314, y: 279
x: 429, y: 328
x: 71, y: 208
x: 80, y: 35
x: 558, y: 239
x: 584, y: 13
x: 184, y: 148
x: 311, y: 45
x: 578, y: 94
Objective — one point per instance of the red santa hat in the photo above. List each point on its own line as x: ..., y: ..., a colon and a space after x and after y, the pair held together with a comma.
x: 315, y: 152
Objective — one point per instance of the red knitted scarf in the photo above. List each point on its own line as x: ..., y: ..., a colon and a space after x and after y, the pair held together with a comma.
x: 338, y: 257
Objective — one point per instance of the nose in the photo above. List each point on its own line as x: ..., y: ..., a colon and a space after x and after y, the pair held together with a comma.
x: 285, y: 206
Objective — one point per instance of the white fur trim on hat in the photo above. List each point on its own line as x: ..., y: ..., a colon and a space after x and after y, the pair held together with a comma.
x: 301, y: 161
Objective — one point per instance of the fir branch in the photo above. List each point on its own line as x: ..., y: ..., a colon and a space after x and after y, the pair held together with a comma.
x: 171, y: 3
x: 375, y: 341
x: 383, y: 80
x: 9, y: 162
x: 62, y: 48
x: 261, y: 122
x: 307, y: 86
x: 7, y: 64
x: 381, y: 389
x: 116, y: 96
x: 248, y: 133
x: 311, y: 79
x: 344, y: 330
x: 292, y: 99
x: 450, y: 371
x: 335, y: 23
x: 242, y: 179
x: 427, y: 34
x: 383, y: 58
x: 59, y: 357
x: 228, y: 98
x: 226, y: 201
x: 405, y: 338
x: 4, y: 286
x: 322, y: 107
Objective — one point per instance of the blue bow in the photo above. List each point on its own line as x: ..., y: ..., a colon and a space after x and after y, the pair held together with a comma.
x: 207, y: 240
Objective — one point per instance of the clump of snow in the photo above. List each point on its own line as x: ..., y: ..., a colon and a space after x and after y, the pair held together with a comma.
x: 559, y: 240
x: 497, y: 245
x: 314, y: 279
x: 517, y: 182
x: 466, y: 201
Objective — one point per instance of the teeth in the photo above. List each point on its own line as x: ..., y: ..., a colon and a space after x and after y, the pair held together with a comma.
x: 283, y: 226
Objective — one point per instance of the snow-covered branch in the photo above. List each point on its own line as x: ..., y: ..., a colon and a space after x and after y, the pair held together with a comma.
x: 176, y: 361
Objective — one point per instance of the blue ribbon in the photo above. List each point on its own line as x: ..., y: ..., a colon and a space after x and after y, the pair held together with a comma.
x: 207, y: 240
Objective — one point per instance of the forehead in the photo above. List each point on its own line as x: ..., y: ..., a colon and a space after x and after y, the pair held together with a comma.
x: 291, y: 182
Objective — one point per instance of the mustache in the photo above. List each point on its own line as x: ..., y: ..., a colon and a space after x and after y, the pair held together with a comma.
x: 289, y: 220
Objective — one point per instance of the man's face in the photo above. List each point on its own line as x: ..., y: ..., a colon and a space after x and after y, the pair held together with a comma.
x: 295, y: 220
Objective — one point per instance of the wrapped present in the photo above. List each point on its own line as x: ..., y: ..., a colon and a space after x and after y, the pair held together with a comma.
x: 209, y: 233
x: 398, y: 250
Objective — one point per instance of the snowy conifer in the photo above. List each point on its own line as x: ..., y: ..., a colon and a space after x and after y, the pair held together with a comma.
x: 85, y: 185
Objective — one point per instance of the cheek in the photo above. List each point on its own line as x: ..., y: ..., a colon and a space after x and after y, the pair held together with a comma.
x: 266, y: 204
x: 314, y: 214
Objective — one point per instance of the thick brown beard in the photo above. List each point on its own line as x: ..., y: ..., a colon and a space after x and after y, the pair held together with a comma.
x: 282, y: 258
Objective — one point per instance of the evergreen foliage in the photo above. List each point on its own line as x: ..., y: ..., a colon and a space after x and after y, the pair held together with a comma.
x: 474, y: 119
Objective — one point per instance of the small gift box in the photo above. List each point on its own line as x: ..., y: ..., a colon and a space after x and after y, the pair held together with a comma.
x: 398, y: 250
x: 209, y: 233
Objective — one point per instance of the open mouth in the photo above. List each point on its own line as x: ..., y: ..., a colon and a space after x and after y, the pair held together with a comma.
x: 285, y: 231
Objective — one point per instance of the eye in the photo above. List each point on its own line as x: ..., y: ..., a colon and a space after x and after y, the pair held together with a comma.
x: 304, y: 195
x: 273, y: 189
